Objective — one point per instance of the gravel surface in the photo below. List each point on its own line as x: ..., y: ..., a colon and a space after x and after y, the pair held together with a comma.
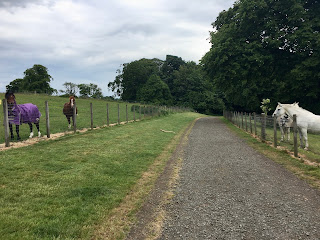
x: 229, y: 191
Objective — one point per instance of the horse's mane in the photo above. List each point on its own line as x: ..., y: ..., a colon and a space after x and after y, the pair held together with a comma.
x: 298, y: 108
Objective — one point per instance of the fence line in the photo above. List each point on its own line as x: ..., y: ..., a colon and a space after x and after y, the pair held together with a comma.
x: 263, y: 121
x: 147, y: 111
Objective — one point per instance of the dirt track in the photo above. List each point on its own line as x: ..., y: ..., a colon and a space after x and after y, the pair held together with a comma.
x: 227, y: 190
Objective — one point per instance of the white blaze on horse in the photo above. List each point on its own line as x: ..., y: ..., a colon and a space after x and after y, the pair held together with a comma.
x: 306, y: 121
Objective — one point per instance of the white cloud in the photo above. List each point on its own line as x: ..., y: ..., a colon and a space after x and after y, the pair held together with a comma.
x: 87, y: 40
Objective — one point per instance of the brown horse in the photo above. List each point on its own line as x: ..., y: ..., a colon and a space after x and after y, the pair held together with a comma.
x: 68, y: 109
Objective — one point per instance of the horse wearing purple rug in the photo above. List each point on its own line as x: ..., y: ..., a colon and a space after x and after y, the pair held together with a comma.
x: 22, y: 113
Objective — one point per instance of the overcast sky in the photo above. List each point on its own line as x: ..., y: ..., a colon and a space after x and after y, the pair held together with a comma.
x: 85, y: 41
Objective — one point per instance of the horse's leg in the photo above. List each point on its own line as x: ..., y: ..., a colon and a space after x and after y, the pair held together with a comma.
x: 17, y: 131
x: 31, y: 130
x: 11, y: 131
x: 282, y: 133
x: 38, y: 127
x: 288, y: 133
x: 69, y: 126
x: 305, y: 136
x: 300, y: 137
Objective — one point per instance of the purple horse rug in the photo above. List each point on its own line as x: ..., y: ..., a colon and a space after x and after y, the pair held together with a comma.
x: 24, y: 113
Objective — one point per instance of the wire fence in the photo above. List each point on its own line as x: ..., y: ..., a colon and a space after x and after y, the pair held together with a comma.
x: 90, y: 115
x: 267, y: 129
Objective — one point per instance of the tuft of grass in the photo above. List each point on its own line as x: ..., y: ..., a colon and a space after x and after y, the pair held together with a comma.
x: 63, y: 189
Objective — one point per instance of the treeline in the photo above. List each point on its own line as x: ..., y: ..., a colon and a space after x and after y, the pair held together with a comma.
x: 266, y: 49
x: 167, y: 82
x: 260, y: 49
x: 37, y: 79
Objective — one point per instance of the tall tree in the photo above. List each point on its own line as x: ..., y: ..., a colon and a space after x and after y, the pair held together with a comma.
x: 171, y: 64
x: 256, y: 47
x: 90, y: 90
x: 71, y: 89
x: 133, y: 76
x: 16, y: 85
x: 36, y: 79
x: 192, y: 88
x: 155, y: 91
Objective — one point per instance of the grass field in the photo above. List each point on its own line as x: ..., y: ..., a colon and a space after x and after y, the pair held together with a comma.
x: 66, y: 188
x: 313, y: 154
x: 58, y: 122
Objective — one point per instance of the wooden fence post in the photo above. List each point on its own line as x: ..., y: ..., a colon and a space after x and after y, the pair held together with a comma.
x: 263, y: 127
x: 91, y: 112
x: 245, y: 115
x: 242, y: 120
x: 134, y: 113
x: 118, y: 113
x: 238, y: 119
x: 108, y: 121
x: 6, y: 122
x: 255, y: 124
x: 140, y: 112
x: 275, y: 140
x: 127, y: 113
x: 47, y: 119
x: 250, y: 123
x: 74, y: 118
x: 295, y: 137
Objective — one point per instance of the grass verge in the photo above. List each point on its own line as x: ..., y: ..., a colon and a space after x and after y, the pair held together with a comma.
x: 311, y: 174
x: 68, y: 188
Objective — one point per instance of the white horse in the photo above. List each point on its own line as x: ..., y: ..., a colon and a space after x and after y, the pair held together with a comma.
x: 285, y: 122
x: 305, y: 120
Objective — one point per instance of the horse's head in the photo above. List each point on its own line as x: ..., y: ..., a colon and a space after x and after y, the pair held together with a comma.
x: 11, y: 99
x: 72, y: 101
x: 279, y: 111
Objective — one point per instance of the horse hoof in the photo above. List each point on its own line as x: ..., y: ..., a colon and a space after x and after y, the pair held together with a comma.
x: 39, y: 135
x: 31, y: 135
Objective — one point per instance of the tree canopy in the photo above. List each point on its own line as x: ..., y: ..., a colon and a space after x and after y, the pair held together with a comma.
x: 169, y: 82
x: 36, y: 79
x: 133, y: 76
x: 155, y: 91
x: 266, y: 49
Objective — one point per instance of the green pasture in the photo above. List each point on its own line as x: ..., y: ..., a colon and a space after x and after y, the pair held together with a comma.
x: 64, y: 188
x: 58, y: 122
x: 312, y: 154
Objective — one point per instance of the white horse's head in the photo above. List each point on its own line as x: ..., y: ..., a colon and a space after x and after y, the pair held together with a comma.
x: 279, y: 111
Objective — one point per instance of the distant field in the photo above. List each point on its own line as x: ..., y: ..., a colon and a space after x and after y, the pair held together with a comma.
x: 66, y: 188
x: 58, y: 122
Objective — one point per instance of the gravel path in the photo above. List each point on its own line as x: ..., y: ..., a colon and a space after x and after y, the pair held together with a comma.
x: 229, y: 191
